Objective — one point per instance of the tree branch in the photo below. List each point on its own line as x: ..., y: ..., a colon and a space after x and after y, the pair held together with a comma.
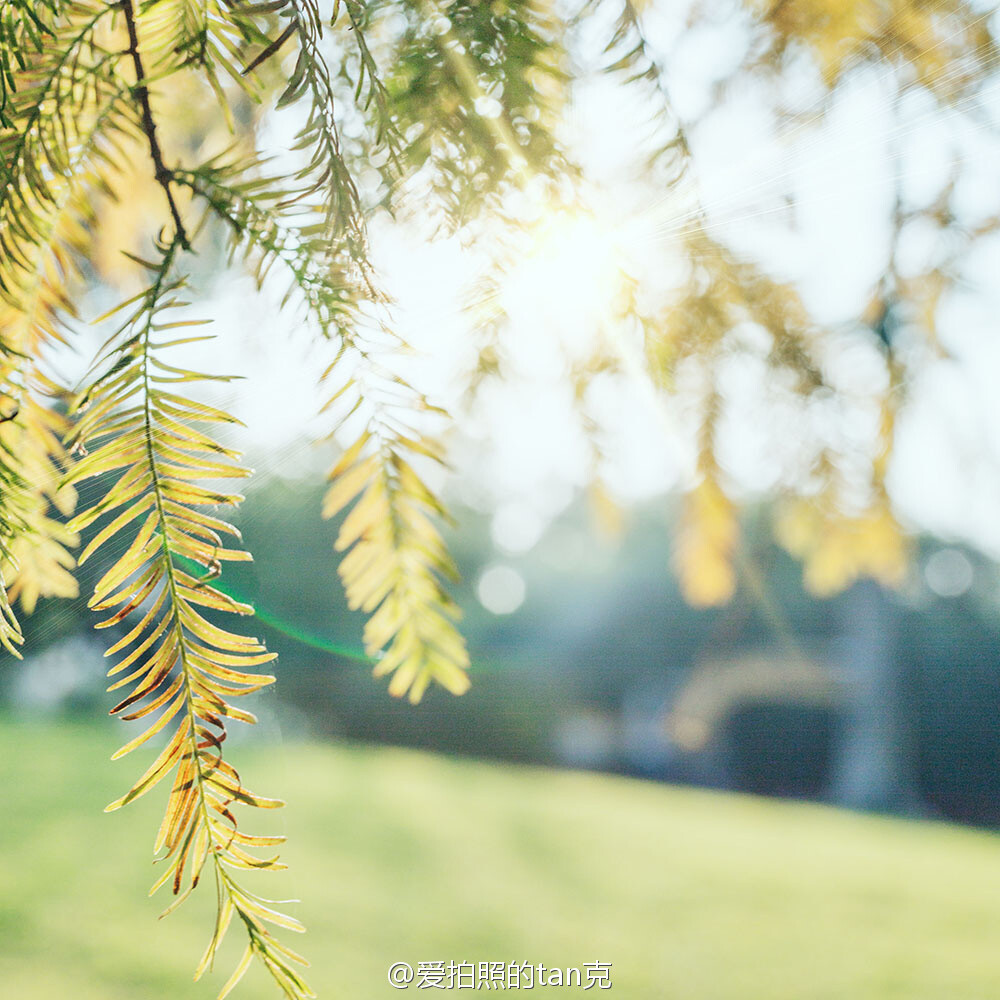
x: 163, y: 174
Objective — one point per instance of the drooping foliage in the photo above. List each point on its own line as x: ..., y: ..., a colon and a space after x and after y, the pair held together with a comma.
x: 181, y: 670
x: 134, y: 139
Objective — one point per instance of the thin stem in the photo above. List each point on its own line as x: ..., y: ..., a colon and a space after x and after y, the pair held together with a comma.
x: 163, y: 174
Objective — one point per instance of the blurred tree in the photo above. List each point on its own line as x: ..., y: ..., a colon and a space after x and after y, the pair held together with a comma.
x: 134, y: 136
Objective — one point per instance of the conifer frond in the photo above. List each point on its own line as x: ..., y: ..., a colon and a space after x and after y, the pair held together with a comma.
x: 39, y: 562
x: 698, y: 328
x: 629, y: 56
x: 369, y: 85
x: 326, y: 282
x: 730, y: 291
x: 945, y: 46
x: 474, y: 89
x: 841, y: 533
x: 395, y: 558
x: 837, y: 547
x: 326, y: 173
x: 51, y: 162
x: 706, y: 543
x: 63, y: 125
x: 12, y: 527
x: 178, y: 667
x: 25, y: 27
x: 58, y: 86
x: 395, y: 561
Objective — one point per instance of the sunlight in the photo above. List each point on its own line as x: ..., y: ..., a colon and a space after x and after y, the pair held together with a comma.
x: 570, y: 280
x: 574, y: 357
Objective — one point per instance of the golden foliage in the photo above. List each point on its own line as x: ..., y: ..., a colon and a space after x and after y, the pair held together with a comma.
x: 606, y: 512
x: 39, y: 563
x: 179, y: 668
x: 946, y: 45
x: 79, y: 135
x: 396, y: 560
x: 705, y: 546
x: 836, y: 549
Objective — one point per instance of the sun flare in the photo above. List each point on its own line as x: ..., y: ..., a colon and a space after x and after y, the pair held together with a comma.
x: 567, y: 285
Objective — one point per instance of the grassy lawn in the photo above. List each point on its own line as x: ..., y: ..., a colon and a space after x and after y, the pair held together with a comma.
x: 405, y: 856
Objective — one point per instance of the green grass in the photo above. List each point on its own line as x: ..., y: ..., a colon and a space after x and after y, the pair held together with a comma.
x: 405, y: 856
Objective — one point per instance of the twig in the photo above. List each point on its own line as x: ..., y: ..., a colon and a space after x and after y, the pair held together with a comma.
x: 163, y: 174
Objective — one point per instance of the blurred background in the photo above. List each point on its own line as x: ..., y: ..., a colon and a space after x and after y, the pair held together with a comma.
x: 637, y: 656
x: 585, y: 655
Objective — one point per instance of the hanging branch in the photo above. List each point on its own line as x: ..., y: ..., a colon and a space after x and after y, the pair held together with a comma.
x: 141, y: 91
x: 184, y: 670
